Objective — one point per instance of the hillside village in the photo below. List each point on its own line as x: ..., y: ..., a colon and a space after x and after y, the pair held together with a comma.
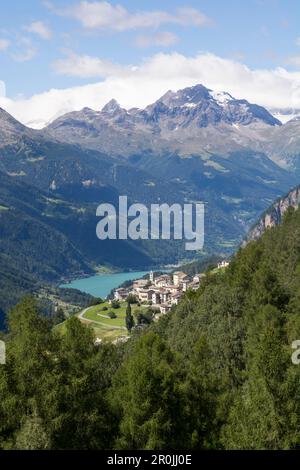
x: 162, y: 292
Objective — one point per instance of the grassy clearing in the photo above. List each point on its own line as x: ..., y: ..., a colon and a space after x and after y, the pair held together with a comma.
x: 99, y: 316
x: 105, y: 328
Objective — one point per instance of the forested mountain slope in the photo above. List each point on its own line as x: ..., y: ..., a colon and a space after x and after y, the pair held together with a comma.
x: 215, y: 373
x: 33, y: 249
x: 44, y: 238
x: 248, y: 318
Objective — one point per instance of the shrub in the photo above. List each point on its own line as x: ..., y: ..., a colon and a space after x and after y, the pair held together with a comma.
x: 144, y: 318
x: 112, y: 315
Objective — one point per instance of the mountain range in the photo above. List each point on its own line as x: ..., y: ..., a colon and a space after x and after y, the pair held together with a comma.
x: 190, y: 146
x: 191, y: 120
x: 195, y: 120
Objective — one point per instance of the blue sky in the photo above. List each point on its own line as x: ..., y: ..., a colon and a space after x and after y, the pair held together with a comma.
x: 67, y: 43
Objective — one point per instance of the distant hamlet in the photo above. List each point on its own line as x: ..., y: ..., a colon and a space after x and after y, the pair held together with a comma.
x: 164, y: 291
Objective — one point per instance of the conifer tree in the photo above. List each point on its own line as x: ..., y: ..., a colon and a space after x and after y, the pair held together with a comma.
x: 129, y: 318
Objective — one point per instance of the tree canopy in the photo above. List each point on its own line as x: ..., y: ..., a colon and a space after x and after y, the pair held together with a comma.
x: 215, y: 373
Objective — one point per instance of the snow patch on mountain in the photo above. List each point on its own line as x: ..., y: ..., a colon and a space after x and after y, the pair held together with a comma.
x: 221, y: 97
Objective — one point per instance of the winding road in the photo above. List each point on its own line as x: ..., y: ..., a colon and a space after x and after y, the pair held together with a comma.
x: 82, y: 318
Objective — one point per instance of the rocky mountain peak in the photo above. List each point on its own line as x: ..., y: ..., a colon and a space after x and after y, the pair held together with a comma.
x: 221, y: 97
x: 111, y: 107
x: 191, y: 95
x: 207, y: 107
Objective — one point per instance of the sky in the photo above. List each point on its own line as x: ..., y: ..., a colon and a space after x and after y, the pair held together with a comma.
x: 62, y: 55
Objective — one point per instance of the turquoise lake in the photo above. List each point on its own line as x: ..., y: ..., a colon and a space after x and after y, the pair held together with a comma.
x: 101, y: 284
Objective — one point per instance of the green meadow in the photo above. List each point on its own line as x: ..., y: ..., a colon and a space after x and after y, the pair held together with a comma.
x: 105, y: 328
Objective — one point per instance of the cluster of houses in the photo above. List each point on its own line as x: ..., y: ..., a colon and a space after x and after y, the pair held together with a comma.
x: 162, y: 291
x: 223, y: 264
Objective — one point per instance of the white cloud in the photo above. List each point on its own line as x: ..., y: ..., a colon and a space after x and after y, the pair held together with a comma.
x: 104, y: 15
x: 39, y: 28
x: 163, y: 39
x: 145, y: 83
x: 85, y: 66
x: 4, y: 44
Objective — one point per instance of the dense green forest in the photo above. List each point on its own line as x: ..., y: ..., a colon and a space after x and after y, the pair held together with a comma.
x: 215, y: 373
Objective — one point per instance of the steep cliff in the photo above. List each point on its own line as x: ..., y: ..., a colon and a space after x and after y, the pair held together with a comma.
x: 273, y: 216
